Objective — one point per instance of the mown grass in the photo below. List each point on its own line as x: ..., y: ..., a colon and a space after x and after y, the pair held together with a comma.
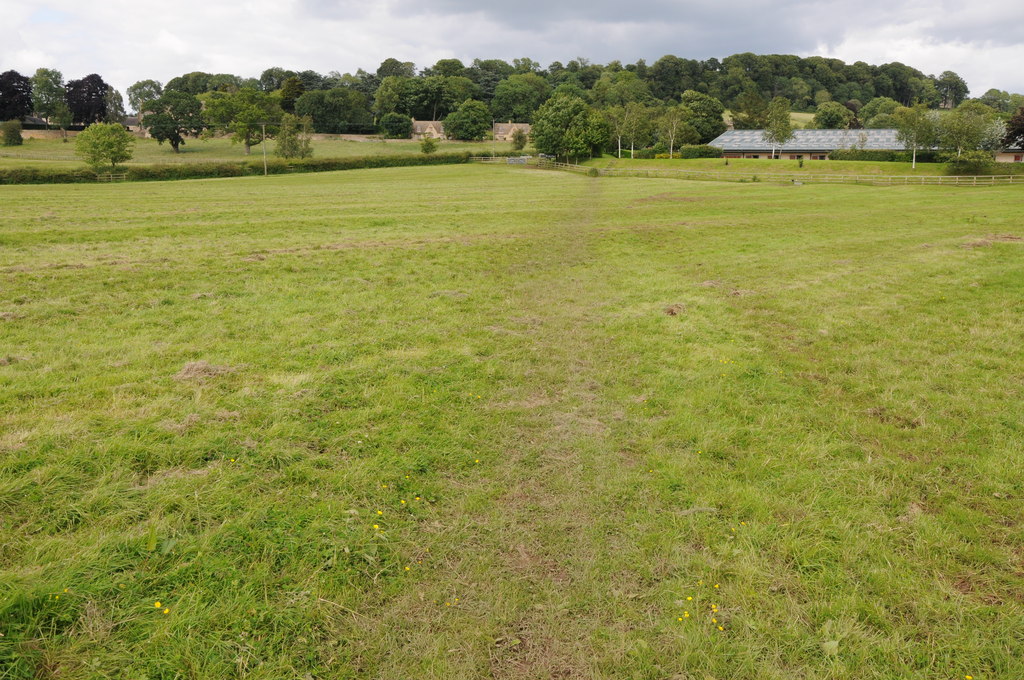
x: 220, y: 149
x: 474, y: 421
x: 768, y: 166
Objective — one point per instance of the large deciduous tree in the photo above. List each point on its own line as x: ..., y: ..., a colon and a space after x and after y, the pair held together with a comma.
x: 87, y: 99
x: 114, y: 104
x: 15, y: 96
x: 517, y: 97
x: 832, y: 116
x: 291, y: 89
x: 248, y: 114
x: 48, y: 93
x: 335, y: 111
x: 143, y: 92
x: 707, y: 114
x: 103, y: 143
x: 952, y: 89
x: 778, y: 128
x: 565, y: 126
x: 172, y: 116
x: 470, y: 122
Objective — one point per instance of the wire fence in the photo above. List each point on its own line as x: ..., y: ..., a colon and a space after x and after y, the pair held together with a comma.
x: 774, y: 177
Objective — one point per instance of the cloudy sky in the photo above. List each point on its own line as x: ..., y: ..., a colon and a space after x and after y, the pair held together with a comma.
x: 125, y: 41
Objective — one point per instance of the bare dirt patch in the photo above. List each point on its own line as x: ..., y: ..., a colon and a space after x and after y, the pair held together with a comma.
x: 201, y: 370
x: 711, y: 283
x: 9, y: 316
x: 675, y: 310
x: 991, y: 239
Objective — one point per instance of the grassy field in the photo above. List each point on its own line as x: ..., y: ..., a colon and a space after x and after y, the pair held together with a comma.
x: 473, y: 422
x: 54, y: 152
x: 746, y: 166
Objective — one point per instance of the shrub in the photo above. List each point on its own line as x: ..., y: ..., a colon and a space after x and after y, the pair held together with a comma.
x: 970, y: 163
x: 923, y: 156
x: 519, y: 140
x: 698, y: 151
x: 428, y: 145
x: 11, y: 131
x: 103, y: 143
x: 293, y: 139
x: 396, y: 126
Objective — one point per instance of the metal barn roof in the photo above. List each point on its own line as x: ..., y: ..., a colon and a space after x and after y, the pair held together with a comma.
x: 811, y: 140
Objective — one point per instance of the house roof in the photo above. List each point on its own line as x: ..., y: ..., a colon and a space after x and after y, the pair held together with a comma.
x: 502, y: 128
x: 811, y: 140
x: 424, y: 125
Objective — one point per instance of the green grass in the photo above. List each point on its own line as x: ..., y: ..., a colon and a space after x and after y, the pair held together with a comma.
x: 767, y: 166
x: 148, y: 151
x: 827, y: 427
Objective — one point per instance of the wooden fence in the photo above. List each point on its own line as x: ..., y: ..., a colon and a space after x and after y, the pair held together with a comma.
x: 775, y: 177
x: 111, y: 177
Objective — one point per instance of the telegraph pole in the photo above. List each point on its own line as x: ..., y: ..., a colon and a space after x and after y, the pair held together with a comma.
x: 264, y: 126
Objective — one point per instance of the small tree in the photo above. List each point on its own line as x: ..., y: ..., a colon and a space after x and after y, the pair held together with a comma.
x: 519, y: 139
x: 294, y: 137
x: 428, y: 145
x: 103, y: 143
x: 396, y: 125
x: 778, y: 128
x: 915, y: 128
x: 11, y: 131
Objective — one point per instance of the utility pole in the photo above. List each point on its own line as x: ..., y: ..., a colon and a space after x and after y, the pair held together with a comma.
x: 264, y: 126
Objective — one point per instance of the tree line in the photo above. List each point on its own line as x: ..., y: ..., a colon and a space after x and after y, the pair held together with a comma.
x: 672, y: 102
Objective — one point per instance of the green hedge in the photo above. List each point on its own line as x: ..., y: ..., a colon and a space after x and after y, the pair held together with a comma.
x: 37, y: 175
x: 923, y: 156
x: 275, y: 166
x: 694, y: 151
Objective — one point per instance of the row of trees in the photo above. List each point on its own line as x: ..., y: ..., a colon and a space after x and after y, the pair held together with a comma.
x: 82, y: 101
x: 805, y: 81
x: 972, y: 131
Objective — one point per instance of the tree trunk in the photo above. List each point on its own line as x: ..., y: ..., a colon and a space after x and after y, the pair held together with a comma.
x: 619, y: 138
x: 631, y: 149
x: 248, y: 148
x: 913, y: 163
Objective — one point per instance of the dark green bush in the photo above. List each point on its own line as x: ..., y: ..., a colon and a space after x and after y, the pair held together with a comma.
x: 396, y: 125
x: 11, y: 132
x: 923, y: 156
x: 36, y: 175
x: 698, y: 151
x: 970, y: 163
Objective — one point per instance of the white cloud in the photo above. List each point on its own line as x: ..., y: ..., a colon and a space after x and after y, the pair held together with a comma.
x: 125, y: 41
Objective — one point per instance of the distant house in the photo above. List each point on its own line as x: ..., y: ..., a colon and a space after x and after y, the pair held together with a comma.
x: 818, y: 144
x: 503, y: 132
x: 422, y: 129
